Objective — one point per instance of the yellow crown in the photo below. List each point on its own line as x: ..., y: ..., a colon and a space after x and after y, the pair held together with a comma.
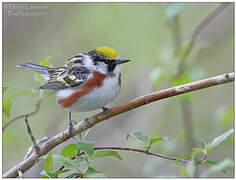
x: 107, y: 51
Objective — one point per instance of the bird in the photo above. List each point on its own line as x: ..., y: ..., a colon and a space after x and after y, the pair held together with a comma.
x: 87, y: 81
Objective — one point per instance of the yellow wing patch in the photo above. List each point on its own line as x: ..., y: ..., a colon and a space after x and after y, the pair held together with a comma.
x: 107, y: 51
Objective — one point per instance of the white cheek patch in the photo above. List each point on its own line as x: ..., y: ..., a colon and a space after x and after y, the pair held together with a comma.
x: 100, y: 66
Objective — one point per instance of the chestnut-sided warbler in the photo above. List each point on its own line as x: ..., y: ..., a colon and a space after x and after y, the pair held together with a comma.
x: 87, y: 81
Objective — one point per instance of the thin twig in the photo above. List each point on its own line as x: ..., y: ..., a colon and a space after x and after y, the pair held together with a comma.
x: 31, y: 148
x: 141, y: 151
x: 37, y: 148
x: 130, y: 149
x: 22, y: 116
x: 205, y: 22
x: 132, y: 104
x: 198, y: 30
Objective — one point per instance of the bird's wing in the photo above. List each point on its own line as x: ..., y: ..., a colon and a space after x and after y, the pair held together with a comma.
x: 66, y: 77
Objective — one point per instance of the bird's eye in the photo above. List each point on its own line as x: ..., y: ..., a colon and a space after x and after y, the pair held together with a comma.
x: 106, y: 61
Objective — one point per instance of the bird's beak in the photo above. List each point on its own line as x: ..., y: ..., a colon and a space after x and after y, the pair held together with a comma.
x: 121, y: 61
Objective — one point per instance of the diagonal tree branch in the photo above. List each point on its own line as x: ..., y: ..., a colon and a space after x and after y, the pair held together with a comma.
x: 132, y: 104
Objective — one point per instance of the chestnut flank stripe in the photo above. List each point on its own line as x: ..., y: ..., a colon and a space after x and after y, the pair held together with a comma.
x: 96, y: 81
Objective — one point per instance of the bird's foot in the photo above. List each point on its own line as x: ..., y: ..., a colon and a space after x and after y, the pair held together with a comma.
x: 106, y: 112
x: 71, y: 128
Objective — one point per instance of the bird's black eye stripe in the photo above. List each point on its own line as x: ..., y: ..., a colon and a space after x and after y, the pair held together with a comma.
x: 102, y: 59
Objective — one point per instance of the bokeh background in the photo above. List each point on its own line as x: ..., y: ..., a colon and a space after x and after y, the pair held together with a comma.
x: 138, y: 31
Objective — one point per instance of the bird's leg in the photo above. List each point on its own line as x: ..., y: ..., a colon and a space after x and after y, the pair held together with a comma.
x: 71, y: 127
x: 106, y: 111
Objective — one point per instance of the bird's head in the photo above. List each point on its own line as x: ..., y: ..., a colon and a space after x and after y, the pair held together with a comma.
x: 108, y: 57
x: 103, y: 59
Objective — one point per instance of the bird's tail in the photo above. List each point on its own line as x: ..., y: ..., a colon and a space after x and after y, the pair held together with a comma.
x: 43, y: 70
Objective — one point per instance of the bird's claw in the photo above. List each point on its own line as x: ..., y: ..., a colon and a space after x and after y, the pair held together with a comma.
x: 106, y: 112
x: 71, y: 128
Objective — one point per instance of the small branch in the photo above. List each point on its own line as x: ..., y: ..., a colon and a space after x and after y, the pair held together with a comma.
x: 31, y: 148
x: 142, y: 151
x: 22, y: 116
x: 198, y: 30
x: 130, y: 149
x: 132, y: 104
x: 205, y: 22
x: 37, y: 148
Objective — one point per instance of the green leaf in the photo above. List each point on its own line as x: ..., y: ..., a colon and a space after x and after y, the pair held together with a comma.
x: 106, y: 153
x: 69, y: 151
x: 183, y: 156
x: 73, y: 175
x: 41, y: 158
x: 74, y: 122
x: 218, y: 167
x: 45, y: 62
x: 216, y: 141
x: 87, y: 147
x: 52, y: 175
x: 6, y: 103
x: 48, y: 164
x: 64, y: 161
x: 61, y: 171
x: 211, y: 162
x: 79, y: 159
x: 139, y: 135
x: 156, y: 139
x: 4, y: 89
x: 92, y: 173
x: 172, y: 10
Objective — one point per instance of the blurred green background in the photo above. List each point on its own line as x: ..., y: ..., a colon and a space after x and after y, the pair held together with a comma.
x: 137, y: 31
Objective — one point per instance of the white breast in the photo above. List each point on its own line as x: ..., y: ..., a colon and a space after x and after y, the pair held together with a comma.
x: 96, y: 98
